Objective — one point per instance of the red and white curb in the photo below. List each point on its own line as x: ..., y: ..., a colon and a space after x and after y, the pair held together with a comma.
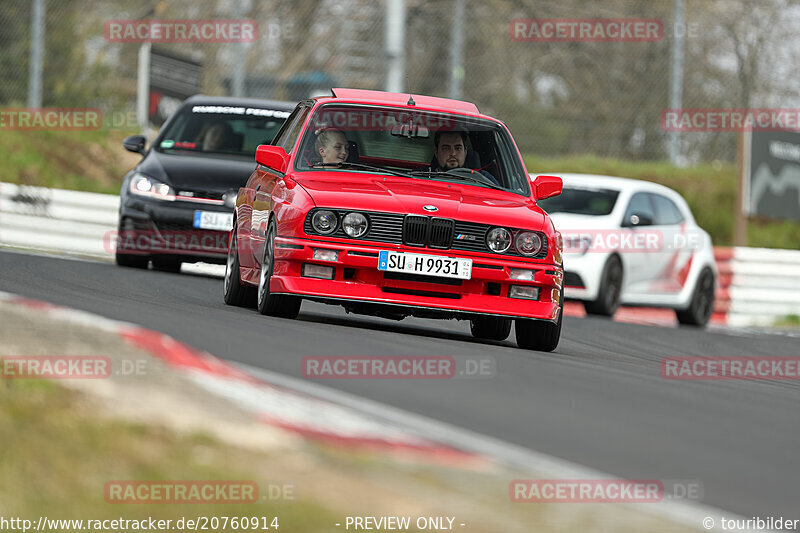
x: 270, y: 403
x: 330, y: 415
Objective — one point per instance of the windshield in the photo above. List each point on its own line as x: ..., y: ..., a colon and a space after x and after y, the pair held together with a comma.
x: 593, y: 202
x: 415, y: 144
x: 216, y: 129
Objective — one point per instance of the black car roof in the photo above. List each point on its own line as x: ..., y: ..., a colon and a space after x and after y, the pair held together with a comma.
x: 201, y: 99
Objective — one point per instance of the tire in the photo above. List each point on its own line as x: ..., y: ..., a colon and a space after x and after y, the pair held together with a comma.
x: 166, y: 263
x: 702, y: 304
x: 280, y: 305
x: 608, y: 297
x: 128, y: 260
x: 131, y: 261
x: 492, y: 328
x: 233, y: 292
x: 540, y: 335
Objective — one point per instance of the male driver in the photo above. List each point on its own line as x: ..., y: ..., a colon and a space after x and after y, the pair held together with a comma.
x: 450, y: 151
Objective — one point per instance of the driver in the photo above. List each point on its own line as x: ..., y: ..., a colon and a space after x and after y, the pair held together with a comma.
x: 331, y: 145
x: 450, y: 152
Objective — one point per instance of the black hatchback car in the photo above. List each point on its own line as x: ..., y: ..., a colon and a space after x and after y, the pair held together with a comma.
x: 177, y: 204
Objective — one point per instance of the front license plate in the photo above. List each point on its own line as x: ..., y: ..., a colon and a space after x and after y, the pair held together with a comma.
x: 213, y: 220
x: 427, y: 265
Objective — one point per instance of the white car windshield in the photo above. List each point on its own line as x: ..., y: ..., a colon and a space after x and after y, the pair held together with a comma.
x: 593, y: 202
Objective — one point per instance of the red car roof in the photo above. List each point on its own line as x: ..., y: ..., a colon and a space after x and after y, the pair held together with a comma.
x: 401, y: 99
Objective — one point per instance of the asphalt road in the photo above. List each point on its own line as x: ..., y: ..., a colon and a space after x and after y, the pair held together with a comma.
x: 598, y: 401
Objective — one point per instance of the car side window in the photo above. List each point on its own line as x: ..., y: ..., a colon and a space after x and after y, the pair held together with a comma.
x: 667, y: 213
x: 640, y: 205
x: 286, y: 128
x: 288, y: 136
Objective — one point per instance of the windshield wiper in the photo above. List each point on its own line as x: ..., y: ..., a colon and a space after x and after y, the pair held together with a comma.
x: 468, y: 177
x: 361, y: 166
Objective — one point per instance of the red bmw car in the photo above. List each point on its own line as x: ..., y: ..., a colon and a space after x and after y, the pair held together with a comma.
x: 398, y: 205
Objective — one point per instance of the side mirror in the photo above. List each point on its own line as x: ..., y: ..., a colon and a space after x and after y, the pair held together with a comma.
x: 274, y: 157
x: 636, y: 220
x: 547, y: 186
x: 135, y: 143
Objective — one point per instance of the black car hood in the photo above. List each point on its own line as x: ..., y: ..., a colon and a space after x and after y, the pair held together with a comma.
x: 191, y: 172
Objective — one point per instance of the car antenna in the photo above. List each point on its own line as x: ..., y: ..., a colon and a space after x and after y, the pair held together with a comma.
x: 410, y: 97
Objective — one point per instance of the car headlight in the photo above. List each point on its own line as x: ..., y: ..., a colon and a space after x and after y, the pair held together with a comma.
x: 498, y: 240
x: 528, y: 243
x: 324, y: 222
x: 355, y: 224
x: 146, y: 186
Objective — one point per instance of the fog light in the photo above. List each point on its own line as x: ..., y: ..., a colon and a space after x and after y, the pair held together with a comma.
x: 317, y: 271
x: 321, y: 254
x: 524, y: 275
x: 523, y: 292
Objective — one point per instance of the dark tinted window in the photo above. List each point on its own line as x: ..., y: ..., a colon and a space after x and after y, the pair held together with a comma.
x: 596, y: 202
x: 216, y: 129
x: 288, y: 136
x: 640, y: 205
x: 667, y: 213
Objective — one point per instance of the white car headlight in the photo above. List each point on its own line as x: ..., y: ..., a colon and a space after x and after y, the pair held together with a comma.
x: 146, y: 186
x: 528, y: 243
x: 324, y: 222
x: 354, y: 224
x: 498, y: 240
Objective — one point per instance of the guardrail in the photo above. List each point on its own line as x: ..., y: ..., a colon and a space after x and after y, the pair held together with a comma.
x: 757, y: 286
x: 57, y: 219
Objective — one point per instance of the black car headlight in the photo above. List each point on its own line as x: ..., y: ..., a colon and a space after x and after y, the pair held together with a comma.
x: 528, y: 242
x: 147, y: 186
x: 324, y: 221
x: 355, y: 224
x: 498, y: 240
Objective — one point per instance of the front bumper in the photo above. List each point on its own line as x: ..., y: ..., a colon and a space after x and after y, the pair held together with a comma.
x: 582, y: 275
x: 357, y: 279
x: 156, y: 227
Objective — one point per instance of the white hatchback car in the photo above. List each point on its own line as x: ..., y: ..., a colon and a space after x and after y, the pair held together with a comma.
x: 633, y: 242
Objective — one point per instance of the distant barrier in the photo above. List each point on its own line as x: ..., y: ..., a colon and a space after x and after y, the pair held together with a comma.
x: 757, y: 286
x: 56, y: 219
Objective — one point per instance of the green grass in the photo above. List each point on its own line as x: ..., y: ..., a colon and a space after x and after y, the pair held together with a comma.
x: 57, y: 455
x: 95, y: 161
x: 710, y: 190
x: 789, y: 321
x: 81, y: 160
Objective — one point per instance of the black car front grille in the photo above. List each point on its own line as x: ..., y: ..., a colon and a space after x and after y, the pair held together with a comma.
x: 202, y: 195
x: 415, y: 230
x: 427, y: 231
x: 441, y: 233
